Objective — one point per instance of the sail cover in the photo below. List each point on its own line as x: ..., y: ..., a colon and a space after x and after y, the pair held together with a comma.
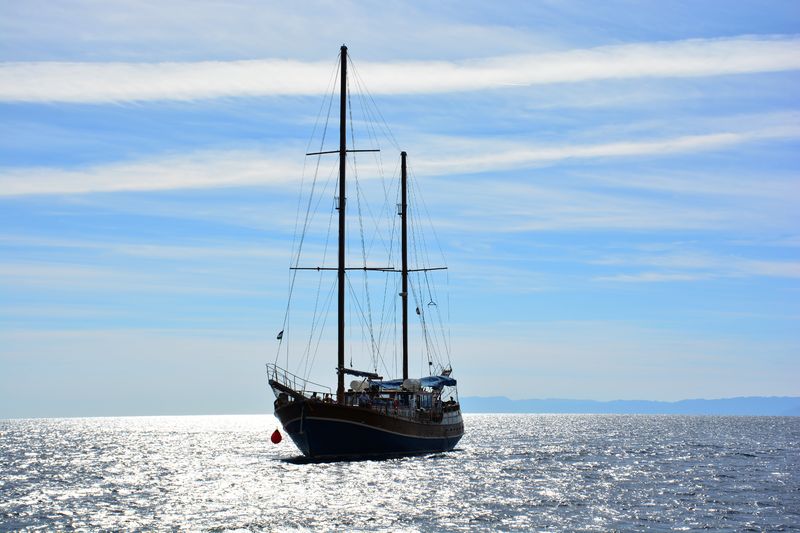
x: 361, y: 373
x: 434, y: 382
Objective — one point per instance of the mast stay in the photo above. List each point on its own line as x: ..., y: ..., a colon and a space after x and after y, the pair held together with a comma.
x: 342, y: 282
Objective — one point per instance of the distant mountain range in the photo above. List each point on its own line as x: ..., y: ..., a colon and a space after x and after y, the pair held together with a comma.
x: 752, y: 406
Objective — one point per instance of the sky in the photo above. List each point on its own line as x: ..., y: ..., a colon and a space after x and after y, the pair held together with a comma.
x: 614, y: 186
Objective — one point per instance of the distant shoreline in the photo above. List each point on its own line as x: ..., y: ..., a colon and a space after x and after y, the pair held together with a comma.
x: 741, y: 406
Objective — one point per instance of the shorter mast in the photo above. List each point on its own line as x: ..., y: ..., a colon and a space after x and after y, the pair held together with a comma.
x: 404, y: 252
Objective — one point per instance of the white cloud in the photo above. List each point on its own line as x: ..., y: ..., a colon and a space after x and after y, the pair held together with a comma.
x: 752, y: 184
x: 205, y: 251
x: 197, y: 170
x: 509, y: 207
x: 781, y: 269
x: 438, y: 156
x: 208, y: 29
x: 502, y: 156
x: 89, y: 277
x: 651, y: 277
x: 694, y: 266
x: 119, y: 82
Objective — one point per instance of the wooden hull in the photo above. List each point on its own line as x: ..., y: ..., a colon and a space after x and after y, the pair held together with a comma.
x: 329, y: 430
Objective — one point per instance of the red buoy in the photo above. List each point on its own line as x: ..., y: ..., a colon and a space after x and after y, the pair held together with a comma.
x: 276, y: 437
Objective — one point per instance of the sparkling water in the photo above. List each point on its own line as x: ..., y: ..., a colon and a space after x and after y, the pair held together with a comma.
x: 509, y: 472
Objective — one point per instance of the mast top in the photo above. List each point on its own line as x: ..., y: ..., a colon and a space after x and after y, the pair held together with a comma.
x: 343, y: 48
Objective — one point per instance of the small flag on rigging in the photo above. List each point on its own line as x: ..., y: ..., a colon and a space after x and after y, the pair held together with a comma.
x: 280, y: 335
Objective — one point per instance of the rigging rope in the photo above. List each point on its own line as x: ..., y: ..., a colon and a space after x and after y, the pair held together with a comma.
x: 445, y: 339
x: 362, y: 318
x: 372, y: 236
x: 322, y: 327
x: 361, y: 235
x: 314, y: 319
x: 331, y: 84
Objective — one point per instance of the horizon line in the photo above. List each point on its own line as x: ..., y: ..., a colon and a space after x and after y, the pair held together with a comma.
x: 260, y: 413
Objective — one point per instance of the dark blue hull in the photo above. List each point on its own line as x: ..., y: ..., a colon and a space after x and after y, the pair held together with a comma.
x: 329, y: 438
x: 321, y: 431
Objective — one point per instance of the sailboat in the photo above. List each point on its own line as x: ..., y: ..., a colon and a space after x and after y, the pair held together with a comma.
x: 373, y: 417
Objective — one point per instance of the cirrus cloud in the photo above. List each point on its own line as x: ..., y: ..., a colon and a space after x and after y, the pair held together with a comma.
x: 121, y: 82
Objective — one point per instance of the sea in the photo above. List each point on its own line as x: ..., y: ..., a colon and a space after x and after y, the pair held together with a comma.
x: 509, y: 473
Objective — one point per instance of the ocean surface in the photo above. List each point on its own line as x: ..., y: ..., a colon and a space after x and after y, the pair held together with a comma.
x: 510, y: 472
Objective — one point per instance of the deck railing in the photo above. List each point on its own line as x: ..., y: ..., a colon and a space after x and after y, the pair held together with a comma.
x: 420, y: 406
x: 296, y: 383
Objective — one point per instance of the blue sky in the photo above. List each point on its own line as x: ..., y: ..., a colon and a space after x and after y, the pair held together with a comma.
x: 614, y: 186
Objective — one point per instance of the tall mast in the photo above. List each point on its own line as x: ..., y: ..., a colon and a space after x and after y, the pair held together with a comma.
x: 342, y: 201
x: 404, y: 247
